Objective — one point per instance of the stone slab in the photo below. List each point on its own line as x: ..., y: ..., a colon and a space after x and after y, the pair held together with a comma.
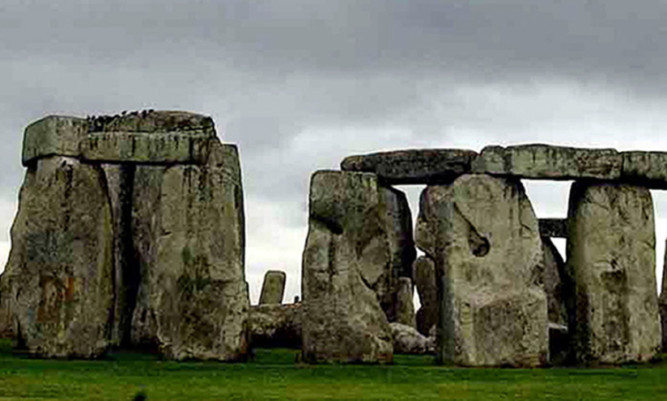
x: 415, y: 166
x: 53, y: 135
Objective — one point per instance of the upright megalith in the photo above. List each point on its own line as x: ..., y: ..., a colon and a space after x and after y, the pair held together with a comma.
x: 484, y: 238
x: 554, y: 271
x: 405, y: 309
x: 60, y: 268
x: 187, y: 223
x: 424, y: 278
x: 273, y: 287
x: 611, y: 273
x: 346, y: 253
x: 663, y: 305
x: 130, y: 231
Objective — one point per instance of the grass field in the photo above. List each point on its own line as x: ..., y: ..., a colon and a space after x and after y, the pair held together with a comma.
x: 273, y: 375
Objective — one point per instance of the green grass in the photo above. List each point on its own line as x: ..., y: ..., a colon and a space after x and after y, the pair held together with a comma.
x: 274, y: 375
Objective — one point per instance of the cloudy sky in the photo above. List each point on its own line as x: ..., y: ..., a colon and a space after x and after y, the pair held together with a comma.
x: 300, y: 84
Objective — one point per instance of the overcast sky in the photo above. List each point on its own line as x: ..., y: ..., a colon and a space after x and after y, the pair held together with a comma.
x: 298, y: 85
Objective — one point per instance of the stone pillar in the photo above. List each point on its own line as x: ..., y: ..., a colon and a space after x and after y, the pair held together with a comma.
x: 6, y: 317
x: 61, y: 263
x: 189, y: 240
x: 405, y: 309
x: 346, y: 253
x: 663, y: 303
x: 613, y: 304
x: 424, y: 277
x: 483, y: 236
x: 273, y: 288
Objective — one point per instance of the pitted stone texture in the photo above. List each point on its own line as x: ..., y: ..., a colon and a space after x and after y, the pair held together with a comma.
x: 407, y: 340
x: 398, y: 229
x: 151, y: 121
x: 424, y: 278
x: 189, y: 240
x: 61, y: 263
x: 273, y: 288
x: 415, y: 166
x: 645, y: 168
x: 483, y: 235
x: 53, y: 135
x: 554, y: 271
x: 274, y: 325
x: 539, y: 161
x: 345, y: 254
x: 6, y: 318
x: 553, y: 228
x: 405, y: 309
x: 611, y: 269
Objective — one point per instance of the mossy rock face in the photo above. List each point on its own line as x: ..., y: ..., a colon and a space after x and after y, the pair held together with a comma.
x: 60, y: 267
x: 188, y: 236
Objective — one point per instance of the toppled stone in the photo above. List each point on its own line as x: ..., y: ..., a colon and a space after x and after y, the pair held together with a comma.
x: 414, y: 166
x: 405, y: 309
x: 540, y: 161
x: 273, y: 325
x: 273, y: 287
x: 553, y: 228
x: 407, y: 340
x: 554, y: 270
x: 483, y: 235
x: 346, y: 251
x: 51, y: 136
x: 611, y: 273
x: 189, y: 239
x: 424, y: 277
x: 61, y: 263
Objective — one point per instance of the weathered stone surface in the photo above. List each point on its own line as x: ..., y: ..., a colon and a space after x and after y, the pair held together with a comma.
x: 483, y: 235
x: 554, y: 270
x: 53, y: 135
x: 611, y: 273
x: 553, y: 228
x: 415, y: 166
x: 407, y: 340
x: 189, y: 242
x: 549, y: 162
x: 273, y: 325
x: 645, y: 168
x: 346, y: 252
x: 61, y: 263
x: 273, y: 288
x: 398, y: 230
x: 663, y: 304
x: 151, y: 121
x: 424, y: 278
x: 405, y: 309
x: 6, y: 319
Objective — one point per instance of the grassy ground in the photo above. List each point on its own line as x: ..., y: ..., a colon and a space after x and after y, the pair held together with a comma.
x: 273, y: 375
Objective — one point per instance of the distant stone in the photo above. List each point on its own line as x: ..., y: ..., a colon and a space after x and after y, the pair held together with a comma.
x: 398, y: 230
x: 188, y: 235
x: 296, y: 299
x: 611, y: 265
x: 60, y: 266
x: 405, y: 309
x: 273, y: 325
x: 554, y: 272
x: 539, y: 161
x: 424, y: 277
x: 346, y: 251
x: 553, y: 228
x: 415, y: 166
x: 273, y: 287
x: 483, y: 235
x: 51, y: 136
x: 407, y: 340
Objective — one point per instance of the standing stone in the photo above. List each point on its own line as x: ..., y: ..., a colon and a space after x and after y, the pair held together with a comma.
x: 61, y: 263
x: 273, y: 288
x: 189, y: 243
x: 554, y: 269
x: 424, y: 276
x: 405, y: 309
x: 346, y: 253
x: 6, y: 319
x: 611, y: 269
x: 483, y: 235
